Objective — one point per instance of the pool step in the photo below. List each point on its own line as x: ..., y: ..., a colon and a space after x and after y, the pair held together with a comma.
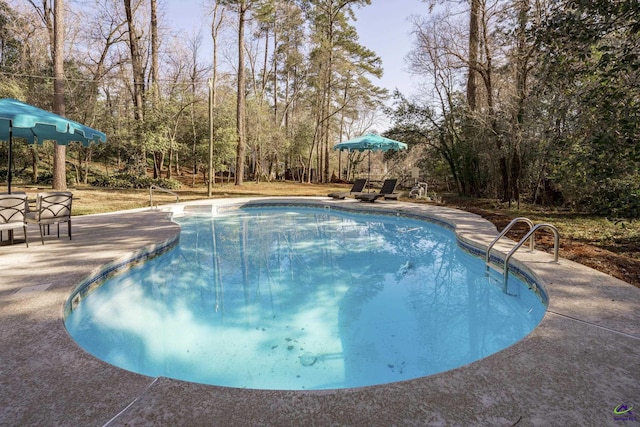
x: 494, y: 276
x: 199, y: 208
x: 495, y: 269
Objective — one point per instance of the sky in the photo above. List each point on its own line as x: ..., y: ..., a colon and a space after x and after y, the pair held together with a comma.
x: 384, y: 26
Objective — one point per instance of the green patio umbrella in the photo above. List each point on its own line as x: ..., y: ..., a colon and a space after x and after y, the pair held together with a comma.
x: 370, y: 142
x: 20, y: 120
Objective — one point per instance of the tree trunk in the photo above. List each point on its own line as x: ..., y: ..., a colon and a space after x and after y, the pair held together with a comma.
x: 59, y: 158
x: 218, y: 17
x: 521, y: 70
x: 138, y: 90
x: 240, y: 107
x: 35, y: 159
x: 155, y: 89
x: 194, y: 131
x: 474, y: 47
x: 155, y: 41
x: 87, y: 160
x: 170, y: 166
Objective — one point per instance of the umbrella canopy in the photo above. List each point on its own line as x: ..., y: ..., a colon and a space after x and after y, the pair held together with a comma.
x: 20, y: 120
x: 370, y: 142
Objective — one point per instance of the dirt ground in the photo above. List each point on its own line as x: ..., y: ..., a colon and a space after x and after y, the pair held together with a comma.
x: 614, y: 260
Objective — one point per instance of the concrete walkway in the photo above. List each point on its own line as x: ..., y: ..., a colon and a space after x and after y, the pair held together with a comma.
x: 581, y: 362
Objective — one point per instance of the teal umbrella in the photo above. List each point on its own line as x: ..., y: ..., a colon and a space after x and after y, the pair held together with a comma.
x: 20, y: 120
x: 370, y: 142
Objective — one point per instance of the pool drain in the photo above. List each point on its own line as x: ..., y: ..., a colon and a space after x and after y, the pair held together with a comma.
x: 308, y: 359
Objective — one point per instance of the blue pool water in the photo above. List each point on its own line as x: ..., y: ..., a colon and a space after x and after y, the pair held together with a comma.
x: 301, y: 298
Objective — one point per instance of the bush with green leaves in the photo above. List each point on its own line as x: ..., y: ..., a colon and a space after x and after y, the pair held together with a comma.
x: 615, y: 198
x: 126, y: 181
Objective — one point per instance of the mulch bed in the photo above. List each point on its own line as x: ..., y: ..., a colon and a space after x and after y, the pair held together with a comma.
x: 607, y: 261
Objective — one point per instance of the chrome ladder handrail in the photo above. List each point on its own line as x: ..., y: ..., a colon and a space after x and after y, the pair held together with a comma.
x: 164, y: 190
x: 529, y: 236
x: 504, y: 231
x: 556, y: 247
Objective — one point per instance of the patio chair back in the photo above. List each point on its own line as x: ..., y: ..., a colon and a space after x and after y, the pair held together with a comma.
x: 13, y: 208
x: 388, y: 186
x: 52, y: 208
x: 358, y: 185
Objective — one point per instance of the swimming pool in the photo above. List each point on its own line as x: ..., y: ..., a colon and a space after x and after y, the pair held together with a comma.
x: 297, y: 298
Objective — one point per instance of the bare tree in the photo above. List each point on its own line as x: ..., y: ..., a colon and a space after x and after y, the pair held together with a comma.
x: 53, y: 18
x: 474, y: 47
x: 137, y: 68
x: 104, y: 30
x: 241, y: 106
x: 216, y: 24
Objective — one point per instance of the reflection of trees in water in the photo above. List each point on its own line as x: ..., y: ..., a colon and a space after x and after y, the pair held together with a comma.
x: 253, y: 255
x: 424, y: 267
x: 241, y: 261
x: 466, y: 311
x: 268, y: 249
x: 256, y: 254
x: 246, y: 271
x: 462, y: 316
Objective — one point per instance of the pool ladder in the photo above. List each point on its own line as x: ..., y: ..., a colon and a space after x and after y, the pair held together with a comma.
x: 163, y: 190
x: 504, y: 269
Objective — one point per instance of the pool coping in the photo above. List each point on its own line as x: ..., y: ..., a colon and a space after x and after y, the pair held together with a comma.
x: 574, y: 369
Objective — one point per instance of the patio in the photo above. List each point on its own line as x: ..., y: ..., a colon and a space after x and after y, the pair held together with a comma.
x: 578, y: 365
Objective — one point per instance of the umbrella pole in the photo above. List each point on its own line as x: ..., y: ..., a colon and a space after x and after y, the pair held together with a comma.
x: 10, y: 159
x: 369, y: 174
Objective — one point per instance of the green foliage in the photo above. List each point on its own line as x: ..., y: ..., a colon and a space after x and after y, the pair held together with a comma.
x: 11, y: 89
x: 616, y: 198
x: 125, y: 181
x: 591, y: 61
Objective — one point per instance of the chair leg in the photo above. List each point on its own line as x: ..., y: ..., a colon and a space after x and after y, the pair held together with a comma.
x: 69, y: 226
x: 41, y: 234
x: 26, y: 242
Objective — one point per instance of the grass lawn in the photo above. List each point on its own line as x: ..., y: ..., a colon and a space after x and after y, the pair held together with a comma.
x: 91, y: 200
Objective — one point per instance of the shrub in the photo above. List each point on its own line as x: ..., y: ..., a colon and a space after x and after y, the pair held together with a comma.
x: 125, y: 181
x: 616, y: 198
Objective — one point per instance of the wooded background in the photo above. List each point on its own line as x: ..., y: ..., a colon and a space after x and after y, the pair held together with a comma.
x: 518, y: 100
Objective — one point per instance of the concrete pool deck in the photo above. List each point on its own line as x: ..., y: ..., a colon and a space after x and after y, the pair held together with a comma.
x: 575, y: 368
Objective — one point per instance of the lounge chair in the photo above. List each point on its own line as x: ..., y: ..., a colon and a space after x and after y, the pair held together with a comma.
x: 13, y: 208
x: 357, y: 188
x: 52, y: 208
x: 387, y: 191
